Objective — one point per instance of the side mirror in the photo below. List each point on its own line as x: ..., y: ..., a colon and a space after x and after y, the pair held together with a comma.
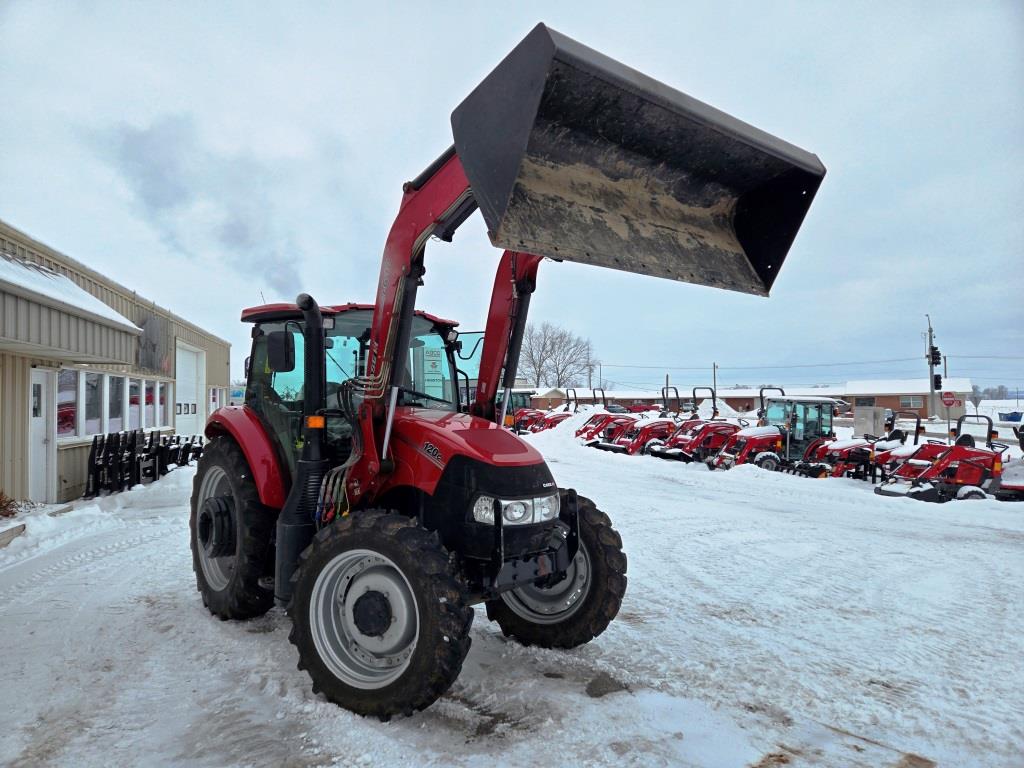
x: 280, y: 351
x: 247, y: 366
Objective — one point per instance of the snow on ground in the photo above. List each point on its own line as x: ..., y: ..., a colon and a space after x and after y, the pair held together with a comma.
x: 769, y: 620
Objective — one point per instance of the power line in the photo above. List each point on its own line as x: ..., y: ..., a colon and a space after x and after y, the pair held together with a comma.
x: 985, y: 357
x: 759, y: 367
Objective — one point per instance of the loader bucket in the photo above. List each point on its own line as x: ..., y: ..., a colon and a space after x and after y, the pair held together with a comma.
x: 574, y: 156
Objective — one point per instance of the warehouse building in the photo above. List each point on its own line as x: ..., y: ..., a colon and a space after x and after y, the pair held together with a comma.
x: 82, y: 355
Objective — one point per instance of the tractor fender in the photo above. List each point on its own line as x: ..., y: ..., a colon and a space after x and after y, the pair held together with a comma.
x: 246, y: 429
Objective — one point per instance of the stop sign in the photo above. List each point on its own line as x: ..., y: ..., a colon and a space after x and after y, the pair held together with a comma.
x: 948, y: 399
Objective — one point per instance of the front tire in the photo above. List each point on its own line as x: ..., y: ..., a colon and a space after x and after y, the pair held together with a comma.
x: 581, y: 606
x: 231, y: 534
x: 380, y: 619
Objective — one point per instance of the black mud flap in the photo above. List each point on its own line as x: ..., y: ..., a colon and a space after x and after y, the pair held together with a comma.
x: 574, y: 156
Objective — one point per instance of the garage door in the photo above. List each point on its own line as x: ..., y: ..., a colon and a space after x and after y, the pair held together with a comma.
x: 187, y: 402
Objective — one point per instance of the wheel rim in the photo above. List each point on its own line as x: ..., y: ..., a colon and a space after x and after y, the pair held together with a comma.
x: 769, y: 464
x: 364, y: 619
x: 216, y: 570
x: 551, y: 605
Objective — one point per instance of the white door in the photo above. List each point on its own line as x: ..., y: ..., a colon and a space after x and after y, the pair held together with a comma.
x: 189, y: 391
x: 42, y: 433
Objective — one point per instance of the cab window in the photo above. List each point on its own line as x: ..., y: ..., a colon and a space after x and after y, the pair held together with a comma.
x: 429, y: 380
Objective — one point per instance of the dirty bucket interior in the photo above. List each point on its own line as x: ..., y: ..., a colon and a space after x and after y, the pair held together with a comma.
x: 574, y: 156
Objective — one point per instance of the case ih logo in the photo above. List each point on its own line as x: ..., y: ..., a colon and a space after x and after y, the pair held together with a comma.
x: 431, y: 450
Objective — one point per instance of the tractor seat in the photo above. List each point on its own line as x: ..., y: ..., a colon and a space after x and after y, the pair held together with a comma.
x: 965, y: 440
x: 898, y: 434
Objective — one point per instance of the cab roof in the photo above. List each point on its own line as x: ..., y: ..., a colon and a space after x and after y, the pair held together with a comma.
x: 799, y: 399
x: 285, y: 311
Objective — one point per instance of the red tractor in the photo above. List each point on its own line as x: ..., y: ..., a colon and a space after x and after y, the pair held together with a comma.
x: 643, y: 433
x: 868, y: 457
x: 699, y: 441
x: 356, y: 489
x: 550, y: 420
x: 604, y: 425
x: 525, y: 418
x: 791, y: 431
x: 958, y: 471
x: 637, y: 436
x: 689, y: 441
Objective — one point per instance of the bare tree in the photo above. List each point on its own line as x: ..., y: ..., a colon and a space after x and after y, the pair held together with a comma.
x: 535, y: 352
x: 555, y: 356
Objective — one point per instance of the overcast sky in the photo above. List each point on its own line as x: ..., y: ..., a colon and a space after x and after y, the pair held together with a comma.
x: 211, y: 155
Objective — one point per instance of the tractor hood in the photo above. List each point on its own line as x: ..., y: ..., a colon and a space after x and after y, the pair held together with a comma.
x: 452, y: 434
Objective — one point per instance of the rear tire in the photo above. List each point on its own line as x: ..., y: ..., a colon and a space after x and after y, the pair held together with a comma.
x: 227, y: 516
x: 566, y: 615
x: 380, y: 619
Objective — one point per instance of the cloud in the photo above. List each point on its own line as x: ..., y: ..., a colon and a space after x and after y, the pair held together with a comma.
x: 204, y: 203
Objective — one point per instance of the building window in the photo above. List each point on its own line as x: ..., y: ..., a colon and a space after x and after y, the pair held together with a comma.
x: 151, y: 404
x: 864, y: 402
x: 115, y: 403
x: 162, y: 401
x: 134, y: 404
x: 911, y: 401
x: 93, y: 403
x: 67, y: 402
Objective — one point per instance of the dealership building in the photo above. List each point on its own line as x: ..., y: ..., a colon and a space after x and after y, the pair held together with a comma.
x: 81, y: 355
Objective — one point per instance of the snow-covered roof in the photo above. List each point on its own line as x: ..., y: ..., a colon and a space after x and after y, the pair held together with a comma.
x: 904, y: 386
x: 41, y: 284
x: 802, y: 399
x: 855, y: 388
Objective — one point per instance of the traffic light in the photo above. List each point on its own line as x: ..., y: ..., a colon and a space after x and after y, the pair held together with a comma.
x: 937, y: 381
x: 935, y: 356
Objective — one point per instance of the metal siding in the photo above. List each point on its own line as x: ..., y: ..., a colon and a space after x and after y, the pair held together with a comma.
x: 72, y: 461
x: 14, y: 426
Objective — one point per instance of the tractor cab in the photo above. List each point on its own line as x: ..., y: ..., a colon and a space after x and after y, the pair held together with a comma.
x: 801, y: 421
x: 275, y: 374
x: 789, y: 433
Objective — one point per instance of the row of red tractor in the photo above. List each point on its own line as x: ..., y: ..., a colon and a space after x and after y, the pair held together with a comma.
x: 795, y: 434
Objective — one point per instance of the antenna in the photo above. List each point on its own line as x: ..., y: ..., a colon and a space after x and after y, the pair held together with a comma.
x: 261, y: 298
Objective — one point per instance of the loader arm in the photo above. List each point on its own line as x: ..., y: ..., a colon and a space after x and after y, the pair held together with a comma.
x: 514, y: 283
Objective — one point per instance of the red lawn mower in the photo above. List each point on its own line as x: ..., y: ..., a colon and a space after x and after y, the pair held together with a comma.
x: 959, y: 471
x: 355, y: 487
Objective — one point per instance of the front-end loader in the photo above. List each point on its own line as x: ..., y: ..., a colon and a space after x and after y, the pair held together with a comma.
x: 351, y: 486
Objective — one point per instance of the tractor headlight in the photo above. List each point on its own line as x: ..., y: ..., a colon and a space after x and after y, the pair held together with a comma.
x: 483, y: 510
x: 517, y: 511
x: 545, y: 508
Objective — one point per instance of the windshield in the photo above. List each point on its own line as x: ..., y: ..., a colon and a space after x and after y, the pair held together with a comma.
x: 778, y: 413
x: 429, y: 380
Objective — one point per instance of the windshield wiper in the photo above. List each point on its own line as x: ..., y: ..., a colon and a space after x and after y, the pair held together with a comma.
x: 424, y: 394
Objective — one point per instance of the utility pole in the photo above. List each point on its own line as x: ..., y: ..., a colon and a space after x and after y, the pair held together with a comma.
x: 945, y: 375
x: 931, y: 368
x: 590, y: 371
